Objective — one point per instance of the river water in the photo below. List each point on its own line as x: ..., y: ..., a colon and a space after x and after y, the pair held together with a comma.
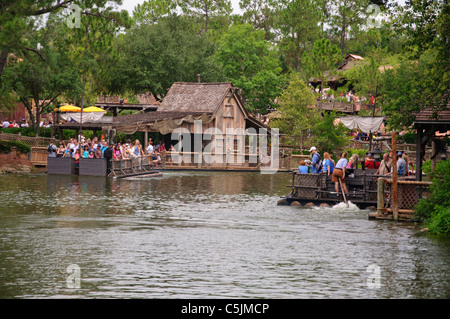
x: 193, y: 234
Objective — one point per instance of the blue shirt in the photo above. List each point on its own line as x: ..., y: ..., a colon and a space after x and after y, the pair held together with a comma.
x: 303, y: 169
x: 327, y: 163
x: 314, y: 161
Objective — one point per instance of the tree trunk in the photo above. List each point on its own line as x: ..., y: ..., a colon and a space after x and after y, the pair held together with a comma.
x: 206, y: 17
x: 82, y: 105
x: 37, y: 109
x: 3, y: 60
x: 343, y: 30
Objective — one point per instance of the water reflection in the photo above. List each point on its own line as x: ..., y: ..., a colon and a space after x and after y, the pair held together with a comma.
x: 202, y: 234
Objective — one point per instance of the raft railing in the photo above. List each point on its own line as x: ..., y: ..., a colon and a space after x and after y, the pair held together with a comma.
x: 131, y: 166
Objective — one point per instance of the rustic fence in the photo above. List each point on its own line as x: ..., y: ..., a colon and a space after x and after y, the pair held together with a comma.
x: 29, y: 140
x: 400, y: 204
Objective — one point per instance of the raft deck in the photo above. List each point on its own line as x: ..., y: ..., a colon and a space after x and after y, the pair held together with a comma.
x: 317, y: 189
x: 140, y: 166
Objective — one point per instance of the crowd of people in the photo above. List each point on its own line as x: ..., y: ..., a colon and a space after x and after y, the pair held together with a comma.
x: 349, y: 96
x: 24, y: 123
x: 95, y: 148
x: 339, y: 170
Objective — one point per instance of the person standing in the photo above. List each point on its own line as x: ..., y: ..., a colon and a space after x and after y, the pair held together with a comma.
x: 339, y: 174
x: 51, y: 149
x: 328, y: 166
x: 385, y: 165
x: 402, y: 168
x: 316, y: 162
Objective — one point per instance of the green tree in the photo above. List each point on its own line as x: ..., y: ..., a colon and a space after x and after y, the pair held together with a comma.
x: 348, y: 17
x: 206, y: 10
x: 299, y: 26
x: 328, y: 136
x: 321, y: 62
x: 39, y: 84
x: 296, y: 116
x: 262, y: 14
x: 153, y: 57
x: 18, y: 22
x: 151, y: 11
x: 434, y: 211
x: 250, y: 63
x: 422, y: 80
x: 91, y: 43
x: 366, y: 76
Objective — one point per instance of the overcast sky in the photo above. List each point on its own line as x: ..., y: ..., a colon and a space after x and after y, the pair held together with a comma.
x: 130, y: 4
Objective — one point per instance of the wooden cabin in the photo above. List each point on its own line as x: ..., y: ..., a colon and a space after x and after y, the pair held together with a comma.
x: 217, y: 106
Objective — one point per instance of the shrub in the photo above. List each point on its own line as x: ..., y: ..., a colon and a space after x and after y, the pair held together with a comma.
x: 410, y: 137
x: 7, y: 146
x: 434, y: 210
x: 439, y: 223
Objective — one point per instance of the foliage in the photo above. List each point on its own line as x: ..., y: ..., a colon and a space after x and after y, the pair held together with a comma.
x: 39, y: 83
x: 413, y: 86
x: 151, y: 11
x: 409, y: 137
x: 7, y: 147
x: 423, y: 78
x: 205, y: 10
x: 153, y: 57
x: 249, y: 62
x: 349, y: 14
x: 366, y: 76
x: 296, y: 114
x: 27, y: 131
x: 19, y: 19
x: 361, y: 152
x: 298, y: 23
x: 434, y: 210
x: 439, y: 222
x: 328, y: 136
x: 321, y: 60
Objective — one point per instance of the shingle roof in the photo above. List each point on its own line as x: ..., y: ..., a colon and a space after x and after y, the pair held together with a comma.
x: 194, y: 97
x: 426, y: 116
x: 149, y: 117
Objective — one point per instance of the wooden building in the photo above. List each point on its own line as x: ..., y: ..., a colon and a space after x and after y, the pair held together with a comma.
x: 427, y: 126
x: 217, y: 106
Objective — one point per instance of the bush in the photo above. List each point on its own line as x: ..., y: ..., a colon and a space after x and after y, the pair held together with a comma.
x: 7, y: 146
x: 439, y: 223
x: 434, y: 210
x: 28, y: 131
x: 410, y: 138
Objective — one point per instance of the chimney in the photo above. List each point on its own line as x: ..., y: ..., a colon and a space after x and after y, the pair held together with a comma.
x: 198, y: 78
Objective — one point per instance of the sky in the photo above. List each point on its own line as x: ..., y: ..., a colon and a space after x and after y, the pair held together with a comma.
x: 130, y: 4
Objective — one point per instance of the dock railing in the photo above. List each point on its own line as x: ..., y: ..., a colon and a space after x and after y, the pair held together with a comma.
x: 400, y: 205
x: 131, y: 166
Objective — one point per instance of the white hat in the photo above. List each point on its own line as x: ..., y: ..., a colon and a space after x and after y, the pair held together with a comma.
x: 312, y: 149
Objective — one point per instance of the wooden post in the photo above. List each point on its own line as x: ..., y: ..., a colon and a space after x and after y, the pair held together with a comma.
x: 433, y: 153
x: 394, y: 177
x: 146, y: 139
x: 419, y: 153
x: 380, y: 196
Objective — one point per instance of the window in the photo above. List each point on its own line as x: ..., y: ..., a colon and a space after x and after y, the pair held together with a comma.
x: 228, y: 112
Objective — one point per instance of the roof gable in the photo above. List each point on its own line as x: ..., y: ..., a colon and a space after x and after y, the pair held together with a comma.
x: 194, y: 97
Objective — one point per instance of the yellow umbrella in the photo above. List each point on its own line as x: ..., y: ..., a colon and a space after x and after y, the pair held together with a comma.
x: 93, y: 109
x: 69, y: 108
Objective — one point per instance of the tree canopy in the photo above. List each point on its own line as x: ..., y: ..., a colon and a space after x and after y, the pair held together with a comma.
x: 406, y: 54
